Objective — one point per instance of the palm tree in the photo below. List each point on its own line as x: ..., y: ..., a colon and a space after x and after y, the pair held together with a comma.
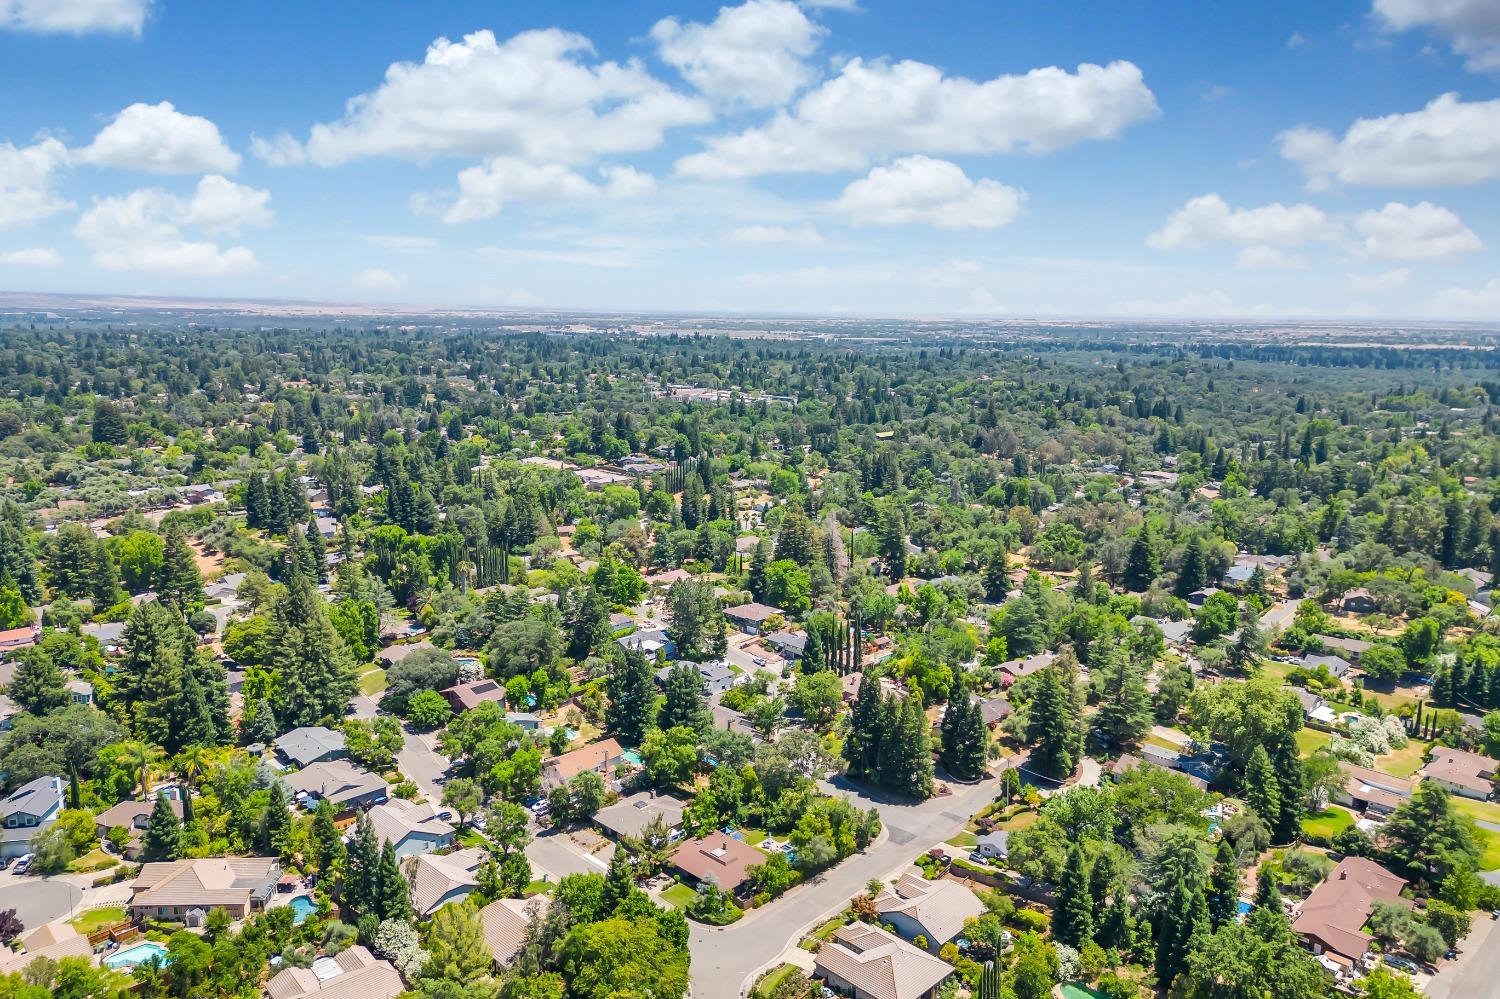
x: 189, y: 765
x: 138, y: 758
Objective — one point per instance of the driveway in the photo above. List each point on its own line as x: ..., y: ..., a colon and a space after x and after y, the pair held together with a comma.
x: 726, y: 959
x: 1476, y: 970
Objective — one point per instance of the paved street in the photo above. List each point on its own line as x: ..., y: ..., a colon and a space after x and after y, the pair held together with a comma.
x: 37, y: 900
x: 726, y: 959
x: 1477, y: 969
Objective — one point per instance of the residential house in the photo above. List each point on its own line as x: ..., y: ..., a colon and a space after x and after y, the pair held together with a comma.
x: 505, y: 922
x: 994, y: 710
x: 732, y: 720
x: 1350, y: 648
x: 352, y: 973
x: 1200, y: 597
x: 238, y: 885
x: 717, y: 855
x: 80, y: 692
x: 339, y: 782
x: 134, y: 816
x: 933, y: 910
x: 867, y: 962
x: 603, y: 757
x: 1358, y: 601
x: 20, y: 638
x: 410, y: 828
x: 393, y: 654
x: 653, y: 643
x: 1464, y: 773
x: 310, y: 744
x: 26, y: 811
x: 1375, y: 793
x: 629, y: 816
x: 54, y: 941
x: 1015, y: 669
x: 751, y: 618
x: 1315, y: 710
x: 717, y: 677
x: 1337, y: 665
x: 1177, y: 634
x: 437, y: 879
x: 994, y: 845
x: 1166, y: 759
x: 662, y: 580
x: 1332, y: 917
x: 789, y: 645
x: 109, y: 634
x: 467, y: 696
x: 526, y: 721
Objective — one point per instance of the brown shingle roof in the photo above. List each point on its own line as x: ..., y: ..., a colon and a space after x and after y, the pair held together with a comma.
x: 880, y: 964
x: 941, y: 907
x: 1462, y: 768
x: 598, y: 756
x: 505, y: 922
x: 718, y: 855
x: 1337, y: 908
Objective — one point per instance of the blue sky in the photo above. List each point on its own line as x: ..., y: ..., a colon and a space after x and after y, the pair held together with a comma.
x: 1009, y: 157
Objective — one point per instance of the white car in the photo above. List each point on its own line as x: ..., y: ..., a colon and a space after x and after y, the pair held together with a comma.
x: 23, y: 862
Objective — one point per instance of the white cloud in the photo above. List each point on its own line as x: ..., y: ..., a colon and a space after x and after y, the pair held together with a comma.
x: 844, y: 5
x: 484, y: 190
x: 775, y: 235
x: 1389, y: 280
x: 950, y: 275
x: 1208, y: 219
x: 877, y: 109
x: 160, y: 139
x: 403, y: 244
x: 1297, y: 40
x: 1447, y: 142
x: 27, y: 176
x: 1260, y: 257
x: 754, y: 54
x: 377, y: 280
x: 920, y: 190
x: 822, y: 275
x: 143, y: 230
x: 1422, y: 231
x: 1472, y: 26
x: 74, y: 16
x: 1482, y: 302
x: 531, y: 96
x: 36, y: 256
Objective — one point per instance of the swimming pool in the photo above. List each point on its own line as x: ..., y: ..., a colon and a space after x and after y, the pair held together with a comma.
x: 302, y: 907
x: 136, y: 954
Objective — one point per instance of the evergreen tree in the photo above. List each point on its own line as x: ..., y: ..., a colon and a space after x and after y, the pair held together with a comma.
x: 890, y: 539
x: 277, y: 822
x: 180, y: 585
x: 861, y: 749
x: 1262, y: 790
x: 619, y: 881
x: 257, y: 503
x: 18, y: 559
x: 1286, y: 763
x: 1182, y: 920
x: 1427, y: 838
x: 1072, y: 921
x: 1223, y: 886
x: 1125, y: 714
x: 916, y: 751
x: 325, y: 840
x: 259, y: 723
x: 760, y: 561
x: 317, y: 675
x: 1249, y: 646
x: 38, y: 685
x: 965, y: 741
x: 1267, y: 895
x: 109, y: 424
x: 361, y: 869
x: 1193, y: 573
x: 632, y: 693
x: 1052, y: 723
x: 996, y: 576
x: 814, y: 655
x: 888, y: 759
x: 192, y: 721
x: 685, y: 704
x: 1143, y: 563
x: 163, y: 839
x: 392, y: 896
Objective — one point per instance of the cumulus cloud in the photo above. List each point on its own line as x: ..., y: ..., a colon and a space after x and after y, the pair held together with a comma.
x: 74, y: 16
x: 920, y: 190
x: 775, y: 235
x: 1472, y: 27
x: 378, y: 280
x: 1208, y: 219
x: 1447, y: 142
x: 1389, y: 280
x: 484, y: 190
x: 1482, y: 302
x: 1422, y: 231
x: 143, y: 230
x: 27, y: 178
x: 871, y: 110
x: 1268, y: 258
x: 35, y: 256
x: 160, y: 139
x: 532, y: 96
x: 950, y: 275
x: 754, y: 54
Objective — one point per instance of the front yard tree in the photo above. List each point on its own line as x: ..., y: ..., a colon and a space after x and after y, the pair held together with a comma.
x: 163, y: 840
x: 684, y: 704
x: 965, y: 740
x: 1427, y: 838
x: 1125, y: 714
x: 1073, y: 921
x: 1052, y: 723
x: 632, y: 694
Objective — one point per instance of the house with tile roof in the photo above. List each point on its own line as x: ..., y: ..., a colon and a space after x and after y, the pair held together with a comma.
x: 602, y: 757
x: 310, y: 744
x: 933, y: 910
x: 54, y: 941
x: 437, y: 879
x: 1332, y: 918
x: 718, y: 856
x: 867, y: 962
x: 410, y: 828
x: 239, y: 885
x: 1460, y: 771
x: 134, y: 816
x: 505, y: 922
x: 352, y: 973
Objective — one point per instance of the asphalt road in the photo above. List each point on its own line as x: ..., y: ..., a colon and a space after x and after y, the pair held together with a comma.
x: 726, y: 959
x: 37, y: 900
x: 1476, y: 972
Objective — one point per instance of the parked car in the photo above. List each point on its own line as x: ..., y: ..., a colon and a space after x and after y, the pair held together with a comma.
x: 23, y: 862
x: 1404, y: 964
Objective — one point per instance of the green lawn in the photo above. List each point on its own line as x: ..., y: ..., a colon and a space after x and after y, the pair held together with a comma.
x: 539, y: 888
x: 97, y: 919
x: 94, y: 860
x: 1155, y: 740
x: 1489, y: 840
x: 1328, y: 823
x: 678, y: 896
x: 1310, y: 740
x: 1485, y: 811
x: 373, y: 682
x: 967, y: 840
x: 1020, y: 820
x: 767, y: 985
x: 1403, y: 762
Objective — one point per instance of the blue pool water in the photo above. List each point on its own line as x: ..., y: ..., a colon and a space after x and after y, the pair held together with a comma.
x: 1243, y: 908
x: 136, y: 954
x: 303, y: 907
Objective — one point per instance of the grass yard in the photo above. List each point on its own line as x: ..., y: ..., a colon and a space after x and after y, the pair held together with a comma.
x: 822, y: 933
x: 1018, y: 821
x: 539, y: 888
x: 967, y: 840
x: 95, y: 860
x: 678, y: 896
x: 373, y: 682
x: 1484, y: 811
x: 1310, y: 740
x: 1155, y: 740
x: 1328, y: 823
x: 97, y: 919
x: 767, y: 985
x: 1489, y: 841
x: 1403, y: 762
